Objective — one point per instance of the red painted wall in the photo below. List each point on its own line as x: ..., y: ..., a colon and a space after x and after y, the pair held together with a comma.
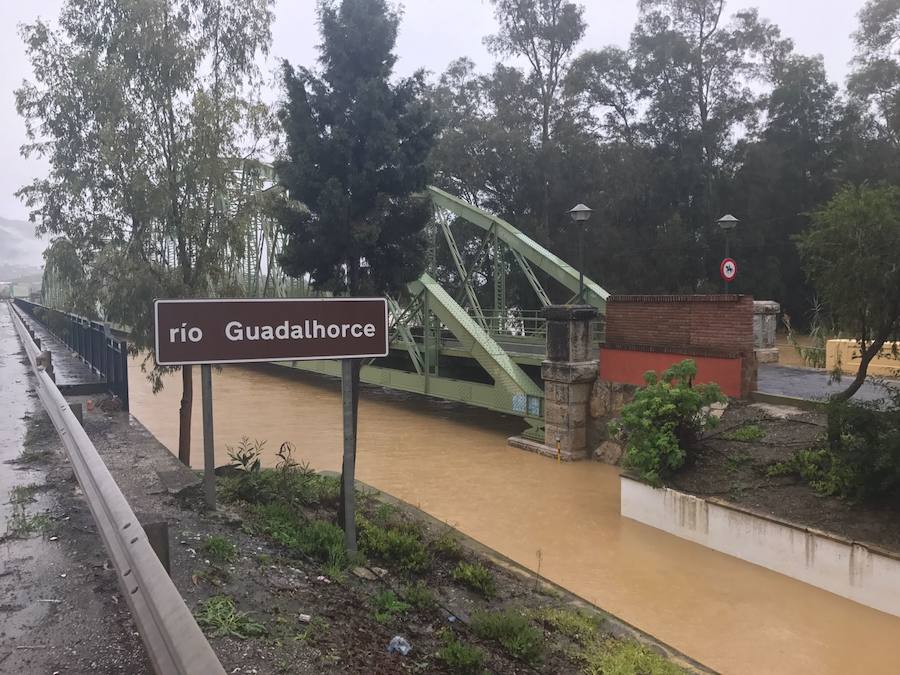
x: 628, y: 367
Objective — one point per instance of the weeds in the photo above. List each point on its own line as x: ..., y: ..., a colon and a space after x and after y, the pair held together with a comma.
x: 222, y: 618
x: 476, y: 577
x: 388, y: 606
x: 31, y: 455
x: 448, y: 545
x: 512, y: 631
x: 316, y: 628
x: 23, y: 494
x: 747, y: 433
x: 575, y: 624
x: 219, y: 549
x: 20, y: 525
x: 738, y: 460
x: 419, y: 596
x: 402, y: 546
x: 460, y: 657
x: 615, y: 657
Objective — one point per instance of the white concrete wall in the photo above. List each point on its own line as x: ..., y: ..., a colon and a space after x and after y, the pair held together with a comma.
x: 855, y: 571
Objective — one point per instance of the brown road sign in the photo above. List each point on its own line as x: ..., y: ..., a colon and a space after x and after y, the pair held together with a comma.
x: 253, y: 330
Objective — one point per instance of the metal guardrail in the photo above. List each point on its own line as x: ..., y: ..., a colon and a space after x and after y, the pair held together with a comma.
x: 174, y: 641
x: 98, y: 347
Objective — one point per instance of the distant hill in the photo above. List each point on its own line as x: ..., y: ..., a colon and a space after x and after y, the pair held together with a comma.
x: 21, y: 253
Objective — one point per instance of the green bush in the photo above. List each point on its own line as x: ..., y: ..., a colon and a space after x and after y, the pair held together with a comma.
x: 387, y: 606
x: 860, y: 458
x: 513, y: 631
x: 403, y: 546
x: 477, y: 577
x: 663, y: 423
x: 460, y: 657
x: 219, y: 549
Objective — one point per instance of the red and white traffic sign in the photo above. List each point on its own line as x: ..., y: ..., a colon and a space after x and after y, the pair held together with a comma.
x: 728, y: 269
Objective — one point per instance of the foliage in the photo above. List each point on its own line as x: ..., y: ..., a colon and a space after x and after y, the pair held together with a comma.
x: 23, y: 494
x: 219, y: 615
x: 402, y: 545
x: 219, y: 549
x: 388, y: 606
x: 459, y: 657
x: 512, y: 631
x: 355, y: 160
x: 448, y: 545
x: 662, y: 425
x: 819, y: 333
x: 746, y: 433
x: 246, y: 456
x: 850, y: 254
x: 21, y: 524
x: 419, y: 596
x: 477, y: 577
x: 575, y: 624
x: 860, y: 459
x: 625, y: 657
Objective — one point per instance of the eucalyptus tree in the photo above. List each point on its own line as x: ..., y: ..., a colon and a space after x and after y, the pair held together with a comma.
x: 143, y: 111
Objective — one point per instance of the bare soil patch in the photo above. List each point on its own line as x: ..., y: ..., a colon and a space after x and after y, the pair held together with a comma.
x: 735, y: 458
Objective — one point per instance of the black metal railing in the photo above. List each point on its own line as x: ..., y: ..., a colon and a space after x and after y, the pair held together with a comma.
x: 105, y: 352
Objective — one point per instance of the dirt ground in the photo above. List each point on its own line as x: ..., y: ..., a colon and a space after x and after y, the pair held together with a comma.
x: 736, y: 471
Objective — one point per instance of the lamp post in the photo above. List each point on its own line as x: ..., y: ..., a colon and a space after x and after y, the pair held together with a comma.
x: 727, y: 223
x: 580, y: 214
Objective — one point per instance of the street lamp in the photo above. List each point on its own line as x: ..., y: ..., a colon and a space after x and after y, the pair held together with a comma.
x: 580, y: 214
x: 727, y: 223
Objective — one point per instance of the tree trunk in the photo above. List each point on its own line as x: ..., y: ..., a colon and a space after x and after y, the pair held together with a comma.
x: 868, y: 354
x: 184, y: 415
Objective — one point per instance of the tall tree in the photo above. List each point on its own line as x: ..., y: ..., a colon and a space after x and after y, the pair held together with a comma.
x: 852, y: 256
x: 544, y: 33
x: 143, y: 110
x: 357, y: 145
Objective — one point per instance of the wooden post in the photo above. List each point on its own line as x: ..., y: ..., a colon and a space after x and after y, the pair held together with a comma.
x: 209, y: 450
x: 349, y: 395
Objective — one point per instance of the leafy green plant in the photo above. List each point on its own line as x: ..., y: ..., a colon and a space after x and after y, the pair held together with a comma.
x: 419, y: 596
x: 860, y: 458
x: 220, y: 616
x: 575, y: 624
x: 219, y: 549
x: 747, y: 433
x: 387, y: 606
x: 625, y: 657
x: 477, y: 577
x: 246, y: 456
x: 663, y: 423
x: 512, y: 631
x: 459, y: 657
x: 402, y: 545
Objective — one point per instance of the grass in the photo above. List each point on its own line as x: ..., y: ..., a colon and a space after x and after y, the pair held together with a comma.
x: 747, y: 433
x: 476, y: 577
x: 577, y: 625
x: 459, y: 657
x: 738, y: 460
x: 402, y: 546
x: 219, y: 615
x: 23, y: 494
x: 314, y: 630
x: 448, y: 546
x: 19, y: 524
x: 512, y: 631
x: 419, y: 596
x: 388, y: 606
x: 219, y: 549
x: 625, y: 657
x: 31, y: 455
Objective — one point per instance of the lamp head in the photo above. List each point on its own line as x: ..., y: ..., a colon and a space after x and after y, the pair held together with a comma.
x: 727, y: 222
x: 581, y: 213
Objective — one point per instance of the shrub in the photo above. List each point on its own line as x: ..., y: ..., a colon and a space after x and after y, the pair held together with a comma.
x: 460, y: 657
x: 387, y: 606
x: 419, y: 596
x: 477, y: 577
x: 663, y: 423
x: 575, y: 624
x: 747, y: 433
x: 625, y: 657
x: 402, y: 546
x: 512, y: 631
x: 860, y: 459
x: 448, y: 545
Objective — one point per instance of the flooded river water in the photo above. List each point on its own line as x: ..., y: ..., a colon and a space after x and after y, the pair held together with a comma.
x: 453, y: 462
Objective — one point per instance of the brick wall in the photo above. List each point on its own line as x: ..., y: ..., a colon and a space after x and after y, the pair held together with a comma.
x: 651, y: 332
x: 721, y: 324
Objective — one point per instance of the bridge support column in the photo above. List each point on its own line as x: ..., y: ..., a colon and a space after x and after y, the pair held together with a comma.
x: 569, y: 374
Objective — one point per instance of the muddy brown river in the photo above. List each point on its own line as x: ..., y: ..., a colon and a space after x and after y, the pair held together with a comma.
x: 453, y: 462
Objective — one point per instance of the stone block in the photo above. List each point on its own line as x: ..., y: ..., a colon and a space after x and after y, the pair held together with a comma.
x: 577, y: 371
x: 609, y: 452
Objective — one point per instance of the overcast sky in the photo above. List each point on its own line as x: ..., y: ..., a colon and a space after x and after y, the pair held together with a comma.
x: 433, y: 33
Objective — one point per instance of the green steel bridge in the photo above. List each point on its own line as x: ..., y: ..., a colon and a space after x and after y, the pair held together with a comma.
x: 447, y: 341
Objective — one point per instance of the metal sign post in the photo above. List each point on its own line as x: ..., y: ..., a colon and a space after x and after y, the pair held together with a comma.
x: 209, y: 451
x: 205, y: 332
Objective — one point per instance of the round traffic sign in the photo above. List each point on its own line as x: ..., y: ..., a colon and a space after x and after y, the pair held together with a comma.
x: 728, y: 269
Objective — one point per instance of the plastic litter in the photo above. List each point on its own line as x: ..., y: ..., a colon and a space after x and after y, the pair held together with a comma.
x: 399, y: 645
